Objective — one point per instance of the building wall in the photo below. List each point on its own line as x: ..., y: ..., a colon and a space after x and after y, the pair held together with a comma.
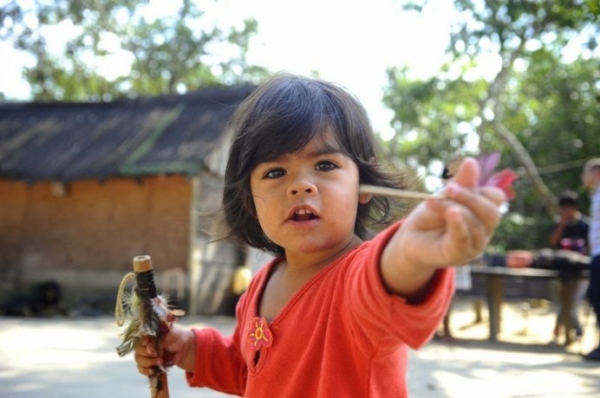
x: 86, y: 237
x: 213, y: 260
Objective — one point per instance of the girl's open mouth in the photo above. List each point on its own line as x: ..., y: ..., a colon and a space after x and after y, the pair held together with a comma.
x: 303, y: 215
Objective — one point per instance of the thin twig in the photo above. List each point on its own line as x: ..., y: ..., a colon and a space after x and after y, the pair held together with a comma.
x: 398, y: 193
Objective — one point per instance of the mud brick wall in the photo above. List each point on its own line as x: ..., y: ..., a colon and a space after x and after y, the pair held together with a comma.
x: 86, y: 236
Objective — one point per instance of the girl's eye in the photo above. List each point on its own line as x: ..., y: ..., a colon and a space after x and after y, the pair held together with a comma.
x: 325, y: 165
x: 275, y: 173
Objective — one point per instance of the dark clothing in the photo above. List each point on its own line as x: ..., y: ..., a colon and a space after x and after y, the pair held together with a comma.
x: 574, y: 238
x: 593, y: 292
x: 575, y: 230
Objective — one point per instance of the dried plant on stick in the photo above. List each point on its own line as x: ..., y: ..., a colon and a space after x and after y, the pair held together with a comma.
x: 148, y: 314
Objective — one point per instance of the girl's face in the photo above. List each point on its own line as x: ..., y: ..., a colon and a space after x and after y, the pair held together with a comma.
x: 306, y: 202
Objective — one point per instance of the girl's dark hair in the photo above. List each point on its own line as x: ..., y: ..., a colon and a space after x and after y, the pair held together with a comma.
x: 280, y: 117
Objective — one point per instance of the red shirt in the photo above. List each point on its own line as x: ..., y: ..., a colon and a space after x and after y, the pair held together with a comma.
x: 341, y: 335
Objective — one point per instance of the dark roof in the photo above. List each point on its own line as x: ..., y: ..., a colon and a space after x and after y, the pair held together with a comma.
x: 68, y: 141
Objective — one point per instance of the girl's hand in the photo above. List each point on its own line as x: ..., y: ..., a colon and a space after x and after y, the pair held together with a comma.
x: 178, y: 349
x: 459, y: 228
x: 440, y: 233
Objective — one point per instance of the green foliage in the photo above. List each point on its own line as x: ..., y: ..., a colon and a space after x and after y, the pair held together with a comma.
x: 546, y: 98
x: 507, y: 23
x: 433, y: 118
x: 174, y: 53
x: 555, y: 111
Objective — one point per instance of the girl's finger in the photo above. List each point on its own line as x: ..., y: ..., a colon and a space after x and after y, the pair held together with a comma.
x: 496, y: 195
x: 482, y: 202
x: 145, y: 371
x: 467, y: 174
x: 466, y: 232
x: 147, y: 362
x: 145, y: 347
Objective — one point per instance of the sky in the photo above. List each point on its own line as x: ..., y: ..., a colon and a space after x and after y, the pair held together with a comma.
x: 350, y: 42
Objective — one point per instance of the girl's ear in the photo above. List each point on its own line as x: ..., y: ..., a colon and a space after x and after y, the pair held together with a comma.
x: 364, y: 198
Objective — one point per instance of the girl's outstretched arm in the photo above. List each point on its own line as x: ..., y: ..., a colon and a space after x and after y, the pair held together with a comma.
x: 442, y: 233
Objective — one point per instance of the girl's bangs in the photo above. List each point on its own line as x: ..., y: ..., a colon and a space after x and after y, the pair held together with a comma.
x: 290, y: 133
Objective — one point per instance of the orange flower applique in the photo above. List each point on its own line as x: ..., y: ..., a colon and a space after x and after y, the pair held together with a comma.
x: 260, y: 335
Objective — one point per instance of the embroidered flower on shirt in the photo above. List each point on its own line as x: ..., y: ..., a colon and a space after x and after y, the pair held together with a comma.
x: 260, y: 336
x: 502, y: 179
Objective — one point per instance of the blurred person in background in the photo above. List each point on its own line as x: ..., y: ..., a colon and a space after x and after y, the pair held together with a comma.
x: 570, y: 232
x: 591, y: 180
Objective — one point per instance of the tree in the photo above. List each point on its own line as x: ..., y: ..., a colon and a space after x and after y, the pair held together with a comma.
x: 540, y: 109
x: 171, y: 54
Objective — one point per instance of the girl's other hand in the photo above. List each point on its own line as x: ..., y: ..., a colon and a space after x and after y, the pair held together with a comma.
x: 178, y: 348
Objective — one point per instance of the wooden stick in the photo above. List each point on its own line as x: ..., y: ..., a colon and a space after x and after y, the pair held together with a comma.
x: 143, y: 264
x: 398, y: 193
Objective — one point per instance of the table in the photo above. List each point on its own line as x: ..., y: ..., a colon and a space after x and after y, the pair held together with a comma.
x: 494, y: 292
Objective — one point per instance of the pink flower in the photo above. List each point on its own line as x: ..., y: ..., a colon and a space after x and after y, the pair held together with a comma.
x: 502, y: 179
x: 260, y: 336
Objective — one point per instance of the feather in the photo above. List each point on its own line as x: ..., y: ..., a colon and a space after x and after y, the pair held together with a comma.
x: 489, y: 177
x: 487, y: 165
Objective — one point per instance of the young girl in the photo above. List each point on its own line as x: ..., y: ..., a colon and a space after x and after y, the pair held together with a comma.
x: 334, y: 313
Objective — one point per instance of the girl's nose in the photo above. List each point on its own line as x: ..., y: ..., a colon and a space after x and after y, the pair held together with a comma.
x: 302, y: 186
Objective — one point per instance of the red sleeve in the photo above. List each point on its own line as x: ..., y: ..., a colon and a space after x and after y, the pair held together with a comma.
x: 219, y: 364
x: 385, y: 319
